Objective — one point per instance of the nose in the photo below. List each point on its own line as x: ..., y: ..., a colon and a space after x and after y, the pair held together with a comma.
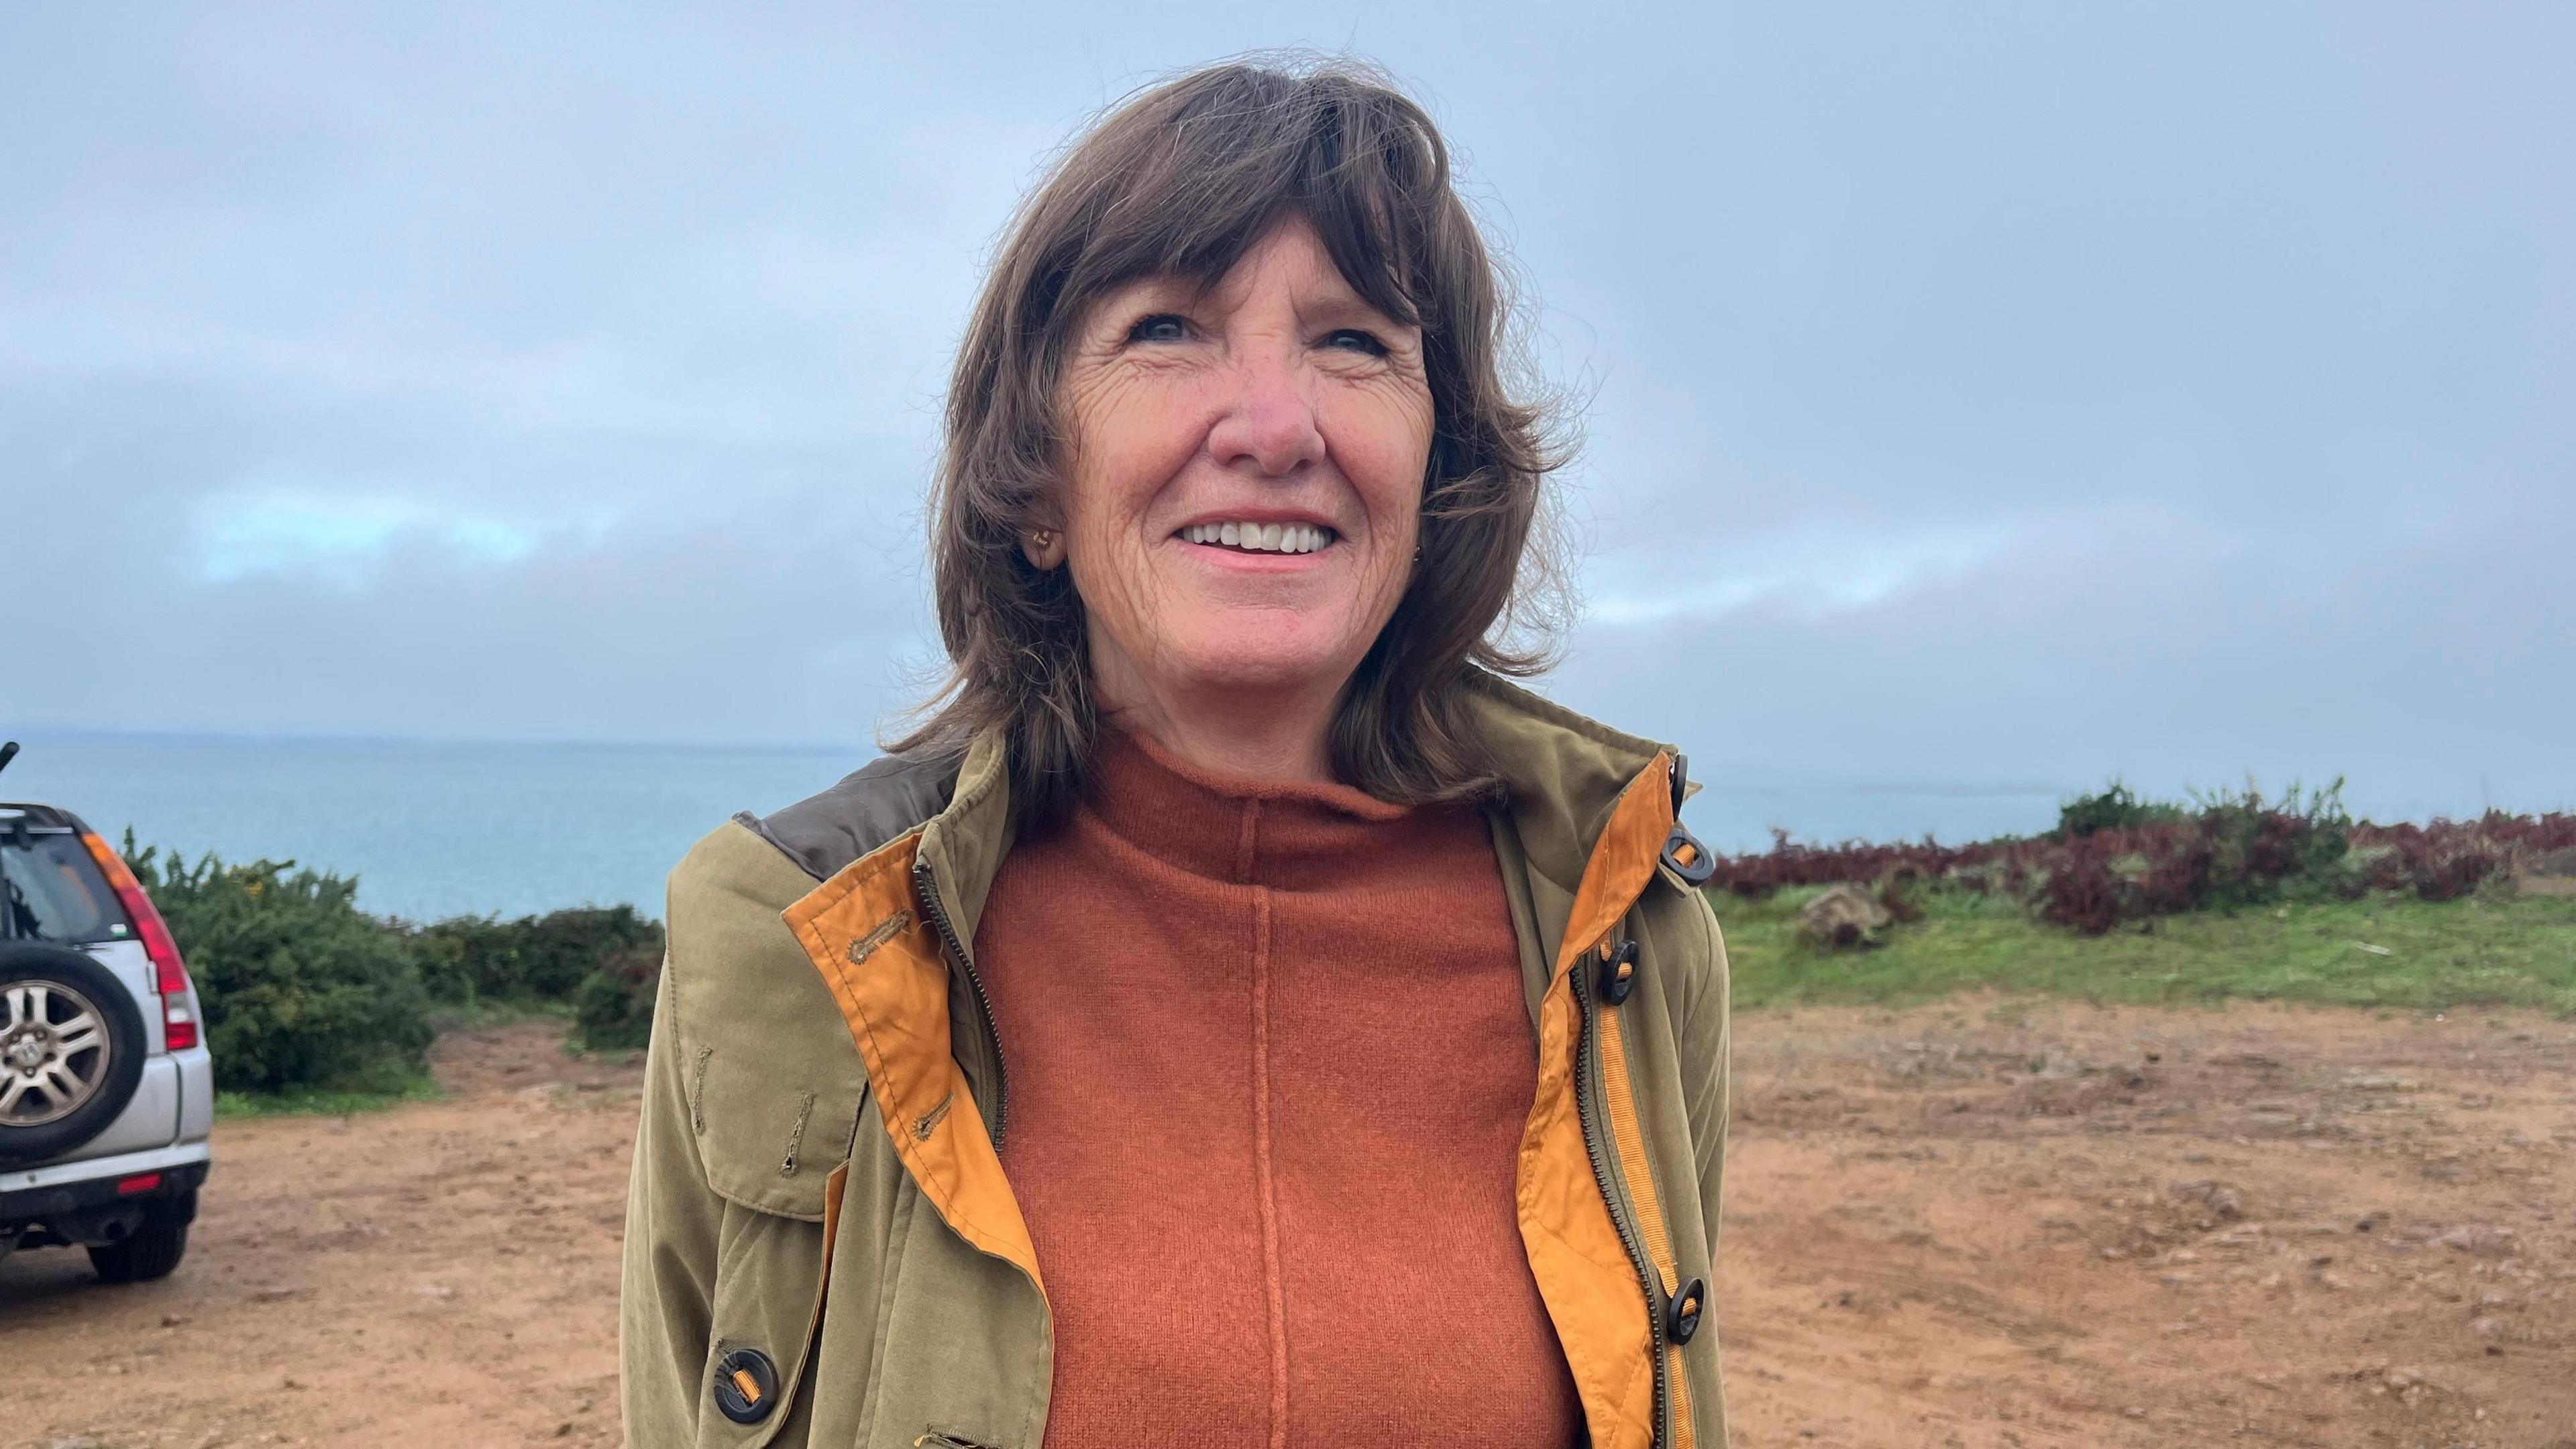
x: 1270, y: 422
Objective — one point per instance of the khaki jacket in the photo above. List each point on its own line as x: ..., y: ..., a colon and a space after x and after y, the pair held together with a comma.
x: 821, y: 1246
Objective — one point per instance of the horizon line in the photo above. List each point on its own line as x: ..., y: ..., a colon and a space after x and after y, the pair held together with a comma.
x: 28, y: 735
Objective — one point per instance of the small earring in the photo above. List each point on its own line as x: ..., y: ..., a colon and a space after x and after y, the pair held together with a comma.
x: 1043, y: 549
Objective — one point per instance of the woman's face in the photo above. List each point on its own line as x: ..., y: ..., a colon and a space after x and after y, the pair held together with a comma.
x: 1245, y: 480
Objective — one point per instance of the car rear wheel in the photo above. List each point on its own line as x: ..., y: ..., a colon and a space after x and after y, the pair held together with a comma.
x: 71, y: 1051
x: 151, y: 1250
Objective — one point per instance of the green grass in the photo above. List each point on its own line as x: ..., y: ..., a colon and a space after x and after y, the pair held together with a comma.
x: 320, y: 1101
x: 2490, y: 949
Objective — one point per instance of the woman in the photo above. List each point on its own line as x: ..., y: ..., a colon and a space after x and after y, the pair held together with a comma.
x: 1366, y: 1034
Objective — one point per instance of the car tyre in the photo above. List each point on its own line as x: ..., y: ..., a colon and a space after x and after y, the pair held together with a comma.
x: 72, y: 975
x: 151, y: 1250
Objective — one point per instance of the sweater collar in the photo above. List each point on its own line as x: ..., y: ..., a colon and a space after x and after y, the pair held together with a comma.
x: 1562, y: 772
x: 1227, y: 828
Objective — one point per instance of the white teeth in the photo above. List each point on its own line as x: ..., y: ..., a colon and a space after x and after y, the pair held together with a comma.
x: 1260, y: 537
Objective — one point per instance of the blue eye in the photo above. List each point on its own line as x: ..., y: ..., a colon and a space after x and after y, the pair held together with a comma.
x: 1354, y: 340
x: 1161, y: 327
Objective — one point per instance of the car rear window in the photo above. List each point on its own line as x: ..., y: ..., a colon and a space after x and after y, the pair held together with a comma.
x: 50, y: 890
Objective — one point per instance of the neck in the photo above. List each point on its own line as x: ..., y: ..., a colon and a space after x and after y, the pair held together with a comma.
x: 1277, y: 736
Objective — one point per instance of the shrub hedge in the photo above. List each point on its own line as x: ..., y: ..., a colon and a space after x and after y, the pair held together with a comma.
x: 2115, y: 857
x: 299, y: 987
x: 532, y: 959
x: 613, y: 1009
x: 302, y: 989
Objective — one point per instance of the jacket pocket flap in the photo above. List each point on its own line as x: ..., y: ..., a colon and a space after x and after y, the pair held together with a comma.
x: 769, y: 1135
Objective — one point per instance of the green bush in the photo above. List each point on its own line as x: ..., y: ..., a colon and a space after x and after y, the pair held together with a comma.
x: 305, y: 994
x: 613, y: 1010
x: 2116, y: 807
x: 2263, y: 850
x: 440, y: 955
x: 300, y: 988
x: 529, y: 960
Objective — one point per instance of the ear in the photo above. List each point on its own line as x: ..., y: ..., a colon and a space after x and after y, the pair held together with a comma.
x: 1043, y: 547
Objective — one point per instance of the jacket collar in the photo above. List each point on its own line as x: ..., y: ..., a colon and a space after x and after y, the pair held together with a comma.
x: 1563, y: 776
x: 1564, y: 773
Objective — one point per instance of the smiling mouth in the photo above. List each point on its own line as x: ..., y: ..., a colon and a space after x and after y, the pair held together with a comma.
x: 1260, y: 537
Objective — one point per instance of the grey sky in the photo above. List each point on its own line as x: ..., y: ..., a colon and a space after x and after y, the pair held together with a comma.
x: 1976, y: 393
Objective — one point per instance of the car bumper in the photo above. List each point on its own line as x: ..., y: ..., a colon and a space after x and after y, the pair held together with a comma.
x: 45, y: 1192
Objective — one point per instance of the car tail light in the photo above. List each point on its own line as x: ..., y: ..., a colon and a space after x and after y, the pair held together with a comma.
x: 169, y: 973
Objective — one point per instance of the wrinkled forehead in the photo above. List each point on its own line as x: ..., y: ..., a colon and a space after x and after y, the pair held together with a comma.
x: 1207, y: 253
x: 1289, y: 254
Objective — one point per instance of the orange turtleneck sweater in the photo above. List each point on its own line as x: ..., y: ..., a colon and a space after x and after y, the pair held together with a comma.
x: 1269, y: 1060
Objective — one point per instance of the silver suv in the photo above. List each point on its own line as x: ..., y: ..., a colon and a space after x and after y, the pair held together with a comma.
x: 106, y: 1090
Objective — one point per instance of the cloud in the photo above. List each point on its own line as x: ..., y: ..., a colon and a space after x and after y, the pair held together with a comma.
x: 1811, y: 570
x: 339, y: 539
x: 2012, y: 402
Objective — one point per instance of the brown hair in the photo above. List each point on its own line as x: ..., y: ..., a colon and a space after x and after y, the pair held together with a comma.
x: 1181, y: 180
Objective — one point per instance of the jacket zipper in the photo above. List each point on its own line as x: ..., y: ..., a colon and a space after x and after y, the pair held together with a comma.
x: 926, y: 886
x: 1587, y: 1068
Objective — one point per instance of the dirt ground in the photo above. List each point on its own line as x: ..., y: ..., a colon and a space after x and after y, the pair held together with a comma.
x: 1977, y: 1224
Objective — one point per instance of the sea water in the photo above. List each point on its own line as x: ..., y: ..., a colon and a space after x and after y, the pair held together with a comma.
x: 433, y: 830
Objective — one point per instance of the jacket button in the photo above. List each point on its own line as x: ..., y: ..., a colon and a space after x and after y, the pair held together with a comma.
x: 1618, y: 971
x: 1681, y: 1314
x: 746, y: 1385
